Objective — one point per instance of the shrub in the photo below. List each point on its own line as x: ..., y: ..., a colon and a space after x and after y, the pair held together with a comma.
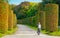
x: 51, y: 17
x: 3, y: 17
x: 14, y: 20
x: 42, y: 19
x: 33, y: 21
x: 10, y: 20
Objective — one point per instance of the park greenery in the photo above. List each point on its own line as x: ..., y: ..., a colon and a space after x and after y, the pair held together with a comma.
x: 8, y: 20
x: 46, y: 12
x: 30, y: 13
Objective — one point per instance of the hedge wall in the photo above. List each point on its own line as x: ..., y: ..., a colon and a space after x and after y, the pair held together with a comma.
x: 33, y: 21
x: 3, y: 17
x: 51, y: 17
x: 42, y: 19
x: 14, y: 20
x: 10, y: 20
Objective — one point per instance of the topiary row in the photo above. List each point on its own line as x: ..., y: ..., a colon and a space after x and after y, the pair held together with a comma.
x: 10, y: 20
x: 42, y: 19
x: 4, y: 17
x: 7, y: 18
x: 14, y: 20
x: 51, y: 17
x: 32, y: 21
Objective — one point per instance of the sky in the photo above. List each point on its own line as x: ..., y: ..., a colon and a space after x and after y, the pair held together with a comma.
x: 19, y: 1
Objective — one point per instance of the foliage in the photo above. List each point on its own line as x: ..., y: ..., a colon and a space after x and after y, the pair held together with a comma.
x: 5, y: 18
x: 49, y: 1
x: 5, y: 1
x: 10, y: 20
x: 51, y: 16
x: 8, y: 32
x: 25, y: 9
x: 12, y: 6
x: 55, y: 33
x: 21, y: 9
x: 33, y: 21
x: 42, y: 19
x: 32, y: 11
x: 3, y: 13
x: 14, y: 20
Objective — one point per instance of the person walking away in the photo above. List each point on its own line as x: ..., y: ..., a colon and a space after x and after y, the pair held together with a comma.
x: 39, y: 28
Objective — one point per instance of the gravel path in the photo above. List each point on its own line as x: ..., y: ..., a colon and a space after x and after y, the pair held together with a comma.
x: 26, y: 32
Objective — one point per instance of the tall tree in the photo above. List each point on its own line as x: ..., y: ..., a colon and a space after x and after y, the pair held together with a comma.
x: 49, y: 1
x: 5, y: 1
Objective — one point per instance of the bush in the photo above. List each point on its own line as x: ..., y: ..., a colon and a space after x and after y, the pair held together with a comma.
x: 10, y: 20
x: 42, y: 20
x: 33, y: 21
x: 51, y: 17
x: 3, y: 17
x: 14, y: 20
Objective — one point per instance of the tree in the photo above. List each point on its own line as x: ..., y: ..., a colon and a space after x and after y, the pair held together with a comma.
x: 5, y: 1
x: 12, y: 6
x: 21, y: 9
x: 49, y: 1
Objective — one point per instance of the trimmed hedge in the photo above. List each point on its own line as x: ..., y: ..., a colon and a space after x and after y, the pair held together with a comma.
x: 33, y: 21
x: 10, y: 20
x: 51, y: 17
x: 42, y: 19
x: 14, y: 20
x: 3, y: 17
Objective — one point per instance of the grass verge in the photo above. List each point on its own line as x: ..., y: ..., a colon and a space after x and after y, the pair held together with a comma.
x: 9, y: 32
x: 51, y: 33
x: 46, y: 32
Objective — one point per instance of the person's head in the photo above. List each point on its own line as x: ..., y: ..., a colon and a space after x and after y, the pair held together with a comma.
x: 39, y: 22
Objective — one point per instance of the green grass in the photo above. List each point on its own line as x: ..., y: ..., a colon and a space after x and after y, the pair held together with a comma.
x: 9, y: 32
x: 57, y: 33
x: 2, y: 34
x: 12, y: 31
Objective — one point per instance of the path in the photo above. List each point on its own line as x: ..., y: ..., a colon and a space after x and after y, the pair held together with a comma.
x: 26, y: 32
